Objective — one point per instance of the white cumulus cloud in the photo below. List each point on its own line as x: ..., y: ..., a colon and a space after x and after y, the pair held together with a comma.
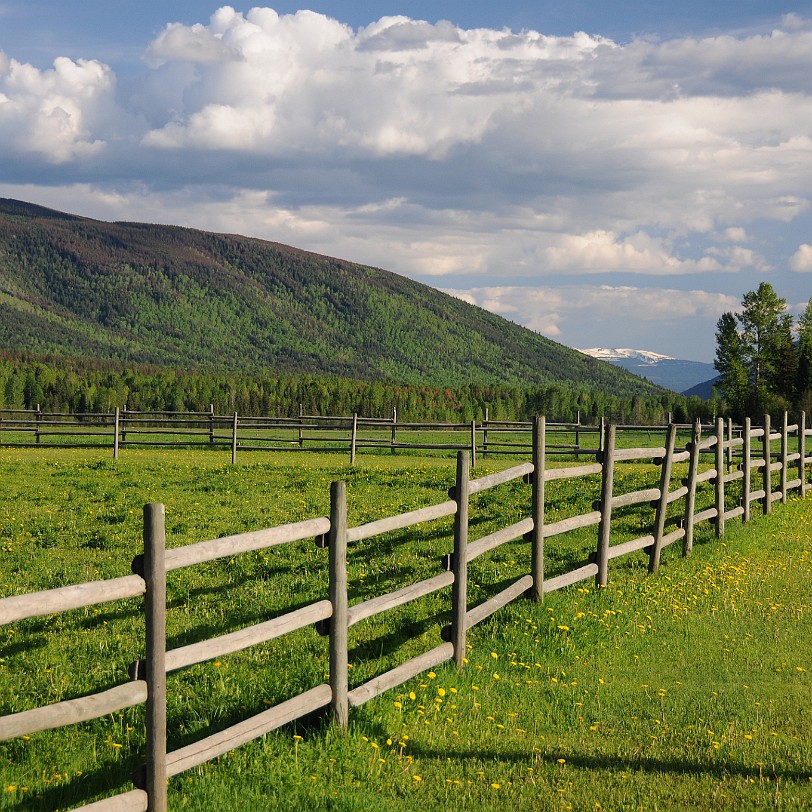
x: 55, y: 113
x: 801, y: 260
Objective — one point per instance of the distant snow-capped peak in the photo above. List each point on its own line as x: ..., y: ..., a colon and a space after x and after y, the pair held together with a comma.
x: 621, y: 353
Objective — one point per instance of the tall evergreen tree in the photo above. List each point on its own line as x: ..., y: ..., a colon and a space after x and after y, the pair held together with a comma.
x: 730, y: 364
x: 803, y: 386
x: 755, y: 354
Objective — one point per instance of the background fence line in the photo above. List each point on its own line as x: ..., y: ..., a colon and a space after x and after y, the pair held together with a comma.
x: 125, y: 428
x: 334, y: 616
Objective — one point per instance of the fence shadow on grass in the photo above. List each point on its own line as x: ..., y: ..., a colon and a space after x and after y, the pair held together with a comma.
x: 609, y: 763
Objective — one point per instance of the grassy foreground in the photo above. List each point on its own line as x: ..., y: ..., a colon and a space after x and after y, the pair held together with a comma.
x: 686, y: 690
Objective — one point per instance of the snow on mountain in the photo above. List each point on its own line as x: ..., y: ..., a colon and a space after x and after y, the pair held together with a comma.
x: 664, y: 370
x: 620, y: 353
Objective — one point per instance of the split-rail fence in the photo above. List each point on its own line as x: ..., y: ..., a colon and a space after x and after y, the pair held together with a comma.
x: 350, y: 434
x: 772, y: 463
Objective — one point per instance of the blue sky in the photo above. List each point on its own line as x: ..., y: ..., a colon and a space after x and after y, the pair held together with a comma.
x: 609, y: 174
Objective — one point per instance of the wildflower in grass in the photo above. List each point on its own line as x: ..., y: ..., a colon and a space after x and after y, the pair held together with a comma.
x: 417, y: 779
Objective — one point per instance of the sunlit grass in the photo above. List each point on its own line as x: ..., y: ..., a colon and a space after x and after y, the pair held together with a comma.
x: 685, y: 690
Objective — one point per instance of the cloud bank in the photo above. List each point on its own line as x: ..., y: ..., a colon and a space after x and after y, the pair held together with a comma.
x: 505, y: 164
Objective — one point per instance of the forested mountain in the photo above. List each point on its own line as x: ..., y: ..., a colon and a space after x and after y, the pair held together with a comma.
x: 181, y: 299
x: 178, y: 297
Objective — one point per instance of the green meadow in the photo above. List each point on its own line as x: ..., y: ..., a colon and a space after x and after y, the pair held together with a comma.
x: 685, y: 690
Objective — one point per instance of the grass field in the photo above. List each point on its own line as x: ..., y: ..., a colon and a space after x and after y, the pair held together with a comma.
x: 686, y: 690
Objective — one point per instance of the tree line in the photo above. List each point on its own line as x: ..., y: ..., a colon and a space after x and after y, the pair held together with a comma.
x: 763, y: 357
x: 64, y: 385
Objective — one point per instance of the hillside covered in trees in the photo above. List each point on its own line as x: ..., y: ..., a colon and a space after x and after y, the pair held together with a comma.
x: 96, y: 314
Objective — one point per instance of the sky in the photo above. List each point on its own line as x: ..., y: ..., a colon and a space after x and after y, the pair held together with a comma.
x: 612, y: 174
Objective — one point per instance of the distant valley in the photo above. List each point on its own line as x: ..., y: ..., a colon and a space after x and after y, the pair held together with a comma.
x: 670, y: 373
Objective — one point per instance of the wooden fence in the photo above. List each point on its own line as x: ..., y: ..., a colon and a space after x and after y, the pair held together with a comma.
x: 125, y: 428
x: 766, y: 474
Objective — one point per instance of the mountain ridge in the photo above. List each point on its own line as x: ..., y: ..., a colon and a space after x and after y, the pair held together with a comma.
x: 180, y: 297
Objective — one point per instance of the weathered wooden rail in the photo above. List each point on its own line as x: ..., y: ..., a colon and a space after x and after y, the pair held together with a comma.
x: 334, y: 616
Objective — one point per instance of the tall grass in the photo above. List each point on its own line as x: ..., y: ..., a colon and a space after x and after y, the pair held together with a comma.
x: 689, y: 689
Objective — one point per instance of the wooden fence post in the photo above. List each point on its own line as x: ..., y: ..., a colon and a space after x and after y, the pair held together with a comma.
x: 802, y: 452
x: 337, y: 542
x: 605, y: 526
x: 473, y: 444
x: 301, y: 430
x: 537, y: 506
x: 746, y: 470
x: 485, y: 435
x: 211, y: 423
x: 353, y: 437
x: 394, y: 427
x: 459, y: 588
x: 768, y: 476
x: 662, y: 502
x: 720, y: 477
x: 690, y: 498
x: 38, y: 419
x: 234, y: 440
x: 784, y: 455
x: 730, y: 444
x: 115, y: 434
x: 155, y: 609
